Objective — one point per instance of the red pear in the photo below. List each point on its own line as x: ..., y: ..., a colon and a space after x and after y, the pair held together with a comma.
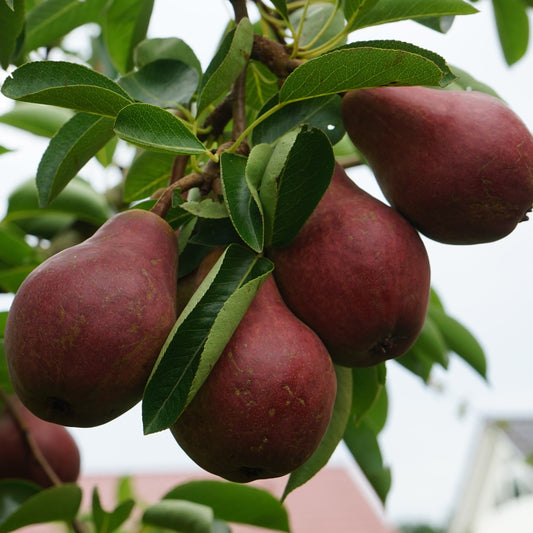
x: 267, y: 403
x: 86, y: 326
x: 54, y: 442
x: 357, y: 274
x: 457, y: 164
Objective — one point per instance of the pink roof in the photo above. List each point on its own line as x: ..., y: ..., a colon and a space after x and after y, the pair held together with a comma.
x: 332, y: 502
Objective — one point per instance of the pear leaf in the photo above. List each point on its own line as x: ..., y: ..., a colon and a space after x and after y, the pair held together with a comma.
x: 512, y: 22
x: 290, y: 194
x: 47, y: 22
x: 234, y: 502
x: 363, y: 444
x: 124, y: 25
x: 242, y: 199
x: 334, y: 433
x: 51, y: 505
x: 228, y: 63
x: 368, y: 384
x: 37, y: 119
x: 362, y: 65
x: 109, y: 520
x: 156, y: 129
x: 151, y: 50
x: 459, y: 340
x: 199, y: 336
x: 164, y: 82
x: 180, y: 515
x: 386, y: 11
x: 148, y: 172
x: 77, y: 141
x: 11, y: 25
x: 322, y: 112
x: 67, y: 85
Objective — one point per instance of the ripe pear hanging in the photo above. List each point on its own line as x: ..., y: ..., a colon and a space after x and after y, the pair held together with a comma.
x: 86, y: 326
x: 357, y: 274
x: 457, y: 164
x: 54, y: 442
x: 267, y: 403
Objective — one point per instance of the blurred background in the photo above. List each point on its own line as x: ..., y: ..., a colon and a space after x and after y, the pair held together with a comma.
x: 429, y: 438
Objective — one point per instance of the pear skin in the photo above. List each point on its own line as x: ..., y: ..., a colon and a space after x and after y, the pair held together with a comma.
x: 86, y: 326
x: 457, y: 164
x: 55, y: 443
x: 357, y: 274
x: 267, y: 403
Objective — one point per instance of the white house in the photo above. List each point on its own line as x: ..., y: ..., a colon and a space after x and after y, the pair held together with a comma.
x: 498, y: 491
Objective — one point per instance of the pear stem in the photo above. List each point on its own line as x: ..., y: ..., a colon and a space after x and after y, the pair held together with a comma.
x: 36, y: 452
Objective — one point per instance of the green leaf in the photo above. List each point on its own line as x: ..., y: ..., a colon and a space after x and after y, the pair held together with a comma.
x: 148, y: 172
x: 180, y: 515
x: 322, y: 112
x: 233, y: 502
x: 4, y: 150
x: 157, y: 129
x: 206, y: 208
x: 69, y: 150
x: 513, y: 28
x: 12, y: 278
x: 431, y: 343
x: 281, y: 6
x: 466, y: 82
x: 290, y: 194
x: 393, y: 10
x: 368, y: 384
x: 228, y: 63
x: 51, y: 505
x: 11, y: 25
x: 418, y: 363
x: 365, y: 64
x: 200, y: 335
x: 261, y: 85
x: 363, y: 444
x: 334, y: 433
x: 67, y: 85
x: 14, y: 250
x: 151, y: 50
x: 14, y: 493
x: 124, y: 25
x: 109, y: 521
x: 242, y: 200
x: 460, y: 341
x: 77, y: 201
x: 440, y: 24
x: 37, y: 119
x: 50, y: 20
x: 354, y: 9
x: 323, y: 21
x: 164, y: 82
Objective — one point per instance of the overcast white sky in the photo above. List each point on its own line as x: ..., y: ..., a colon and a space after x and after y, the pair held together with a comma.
x: 429, y: 436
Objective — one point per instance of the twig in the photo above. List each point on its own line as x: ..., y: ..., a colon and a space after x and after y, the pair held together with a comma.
x: 274, y: 56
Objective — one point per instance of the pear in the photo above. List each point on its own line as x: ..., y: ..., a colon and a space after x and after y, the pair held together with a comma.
x: 86, y: 326
x: 54, y: 442
x: 267, y: 402
x: 357, y: 274
x: 457, y: 164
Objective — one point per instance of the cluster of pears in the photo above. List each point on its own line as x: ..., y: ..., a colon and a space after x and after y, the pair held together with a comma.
x: 352, y: 289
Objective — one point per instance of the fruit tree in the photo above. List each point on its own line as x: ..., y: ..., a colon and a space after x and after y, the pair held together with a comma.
x: 235, y: 281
